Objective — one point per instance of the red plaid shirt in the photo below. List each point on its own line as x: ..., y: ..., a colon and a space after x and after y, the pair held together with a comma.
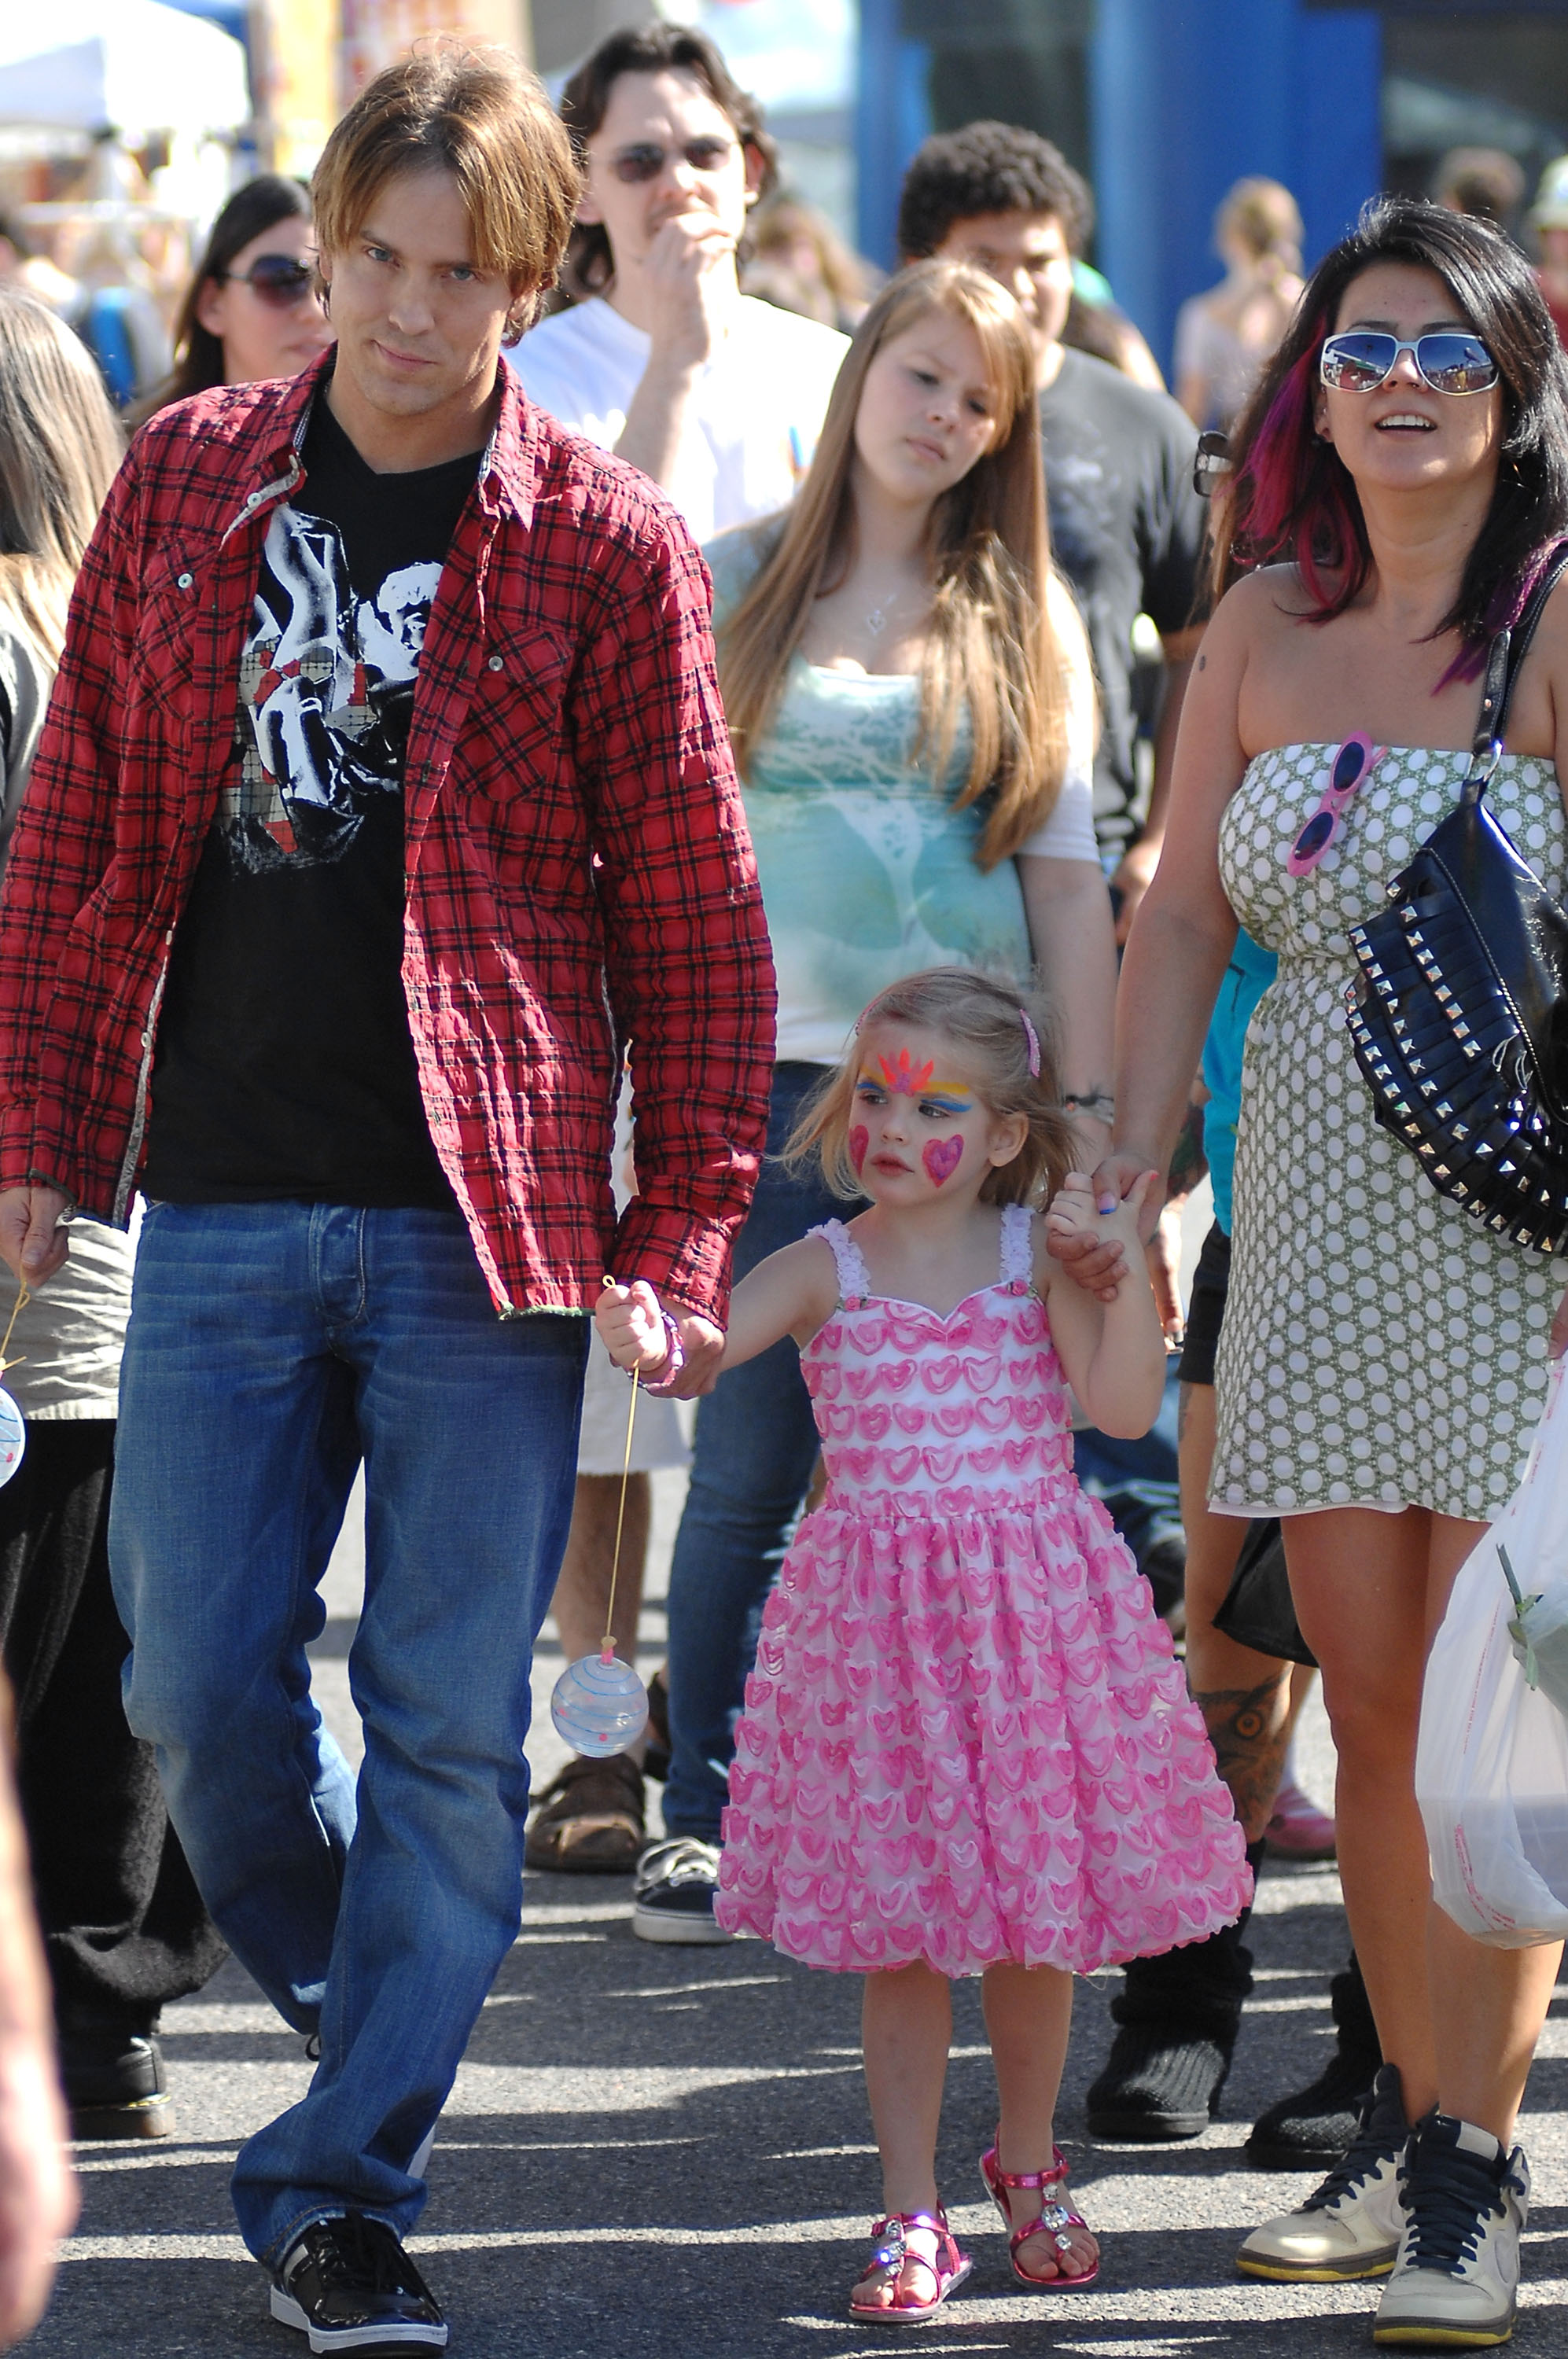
x: 577, y: 863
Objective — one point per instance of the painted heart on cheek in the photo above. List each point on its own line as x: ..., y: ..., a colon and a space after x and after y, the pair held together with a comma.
x: 941, y: 1159
x: 859, y: 1140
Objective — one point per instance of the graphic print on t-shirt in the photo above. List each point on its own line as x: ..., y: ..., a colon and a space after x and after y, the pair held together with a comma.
x: 326, y: 696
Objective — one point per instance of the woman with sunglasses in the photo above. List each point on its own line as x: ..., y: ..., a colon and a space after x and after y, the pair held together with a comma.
x: 254, y: 308
x: 1397, y: 482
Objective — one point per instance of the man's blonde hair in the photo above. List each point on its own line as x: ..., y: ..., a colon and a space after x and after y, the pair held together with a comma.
x: 474, y: 113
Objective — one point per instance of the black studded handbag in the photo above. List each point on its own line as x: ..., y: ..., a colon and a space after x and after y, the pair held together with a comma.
x: 1459, y: 1014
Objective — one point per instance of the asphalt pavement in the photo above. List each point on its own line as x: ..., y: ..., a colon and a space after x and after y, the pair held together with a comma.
x: 664, y: 2153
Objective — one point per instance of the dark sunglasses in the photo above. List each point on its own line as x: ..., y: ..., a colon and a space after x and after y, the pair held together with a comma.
x: 1211, y: 460
x: 280, y: 280
x: 645, y: 163
x: 1448, y: 361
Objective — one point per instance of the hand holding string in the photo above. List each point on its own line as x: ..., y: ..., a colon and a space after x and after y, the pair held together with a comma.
x: 599, y: 1705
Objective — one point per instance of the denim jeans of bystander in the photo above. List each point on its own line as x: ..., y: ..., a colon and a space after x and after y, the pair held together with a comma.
x: 755, y: 1447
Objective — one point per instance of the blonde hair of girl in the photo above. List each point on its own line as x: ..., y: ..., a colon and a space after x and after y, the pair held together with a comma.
x: 984, y: 1020
x: 58, y: 448
x: 990, y: 640
x: 1264, y: 217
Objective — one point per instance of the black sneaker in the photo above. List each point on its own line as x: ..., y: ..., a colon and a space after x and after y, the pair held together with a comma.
x: 348, y: 2285
x: 672, y: 1898
x: 114, y: 2084
x: 1311, y: 2128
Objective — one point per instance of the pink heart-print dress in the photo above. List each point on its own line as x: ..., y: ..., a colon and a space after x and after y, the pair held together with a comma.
x: 966, y: 1738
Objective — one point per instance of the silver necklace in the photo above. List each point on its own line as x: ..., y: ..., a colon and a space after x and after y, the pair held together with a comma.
x: 877, y: 621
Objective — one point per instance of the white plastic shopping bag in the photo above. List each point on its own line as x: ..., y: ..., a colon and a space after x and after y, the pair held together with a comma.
x: 1492, y: 1760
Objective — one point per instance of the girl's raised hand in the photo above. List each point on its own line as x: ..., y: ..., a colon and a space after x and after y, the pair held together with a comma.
x: 1074, y: 1213
x: 632, y: 1325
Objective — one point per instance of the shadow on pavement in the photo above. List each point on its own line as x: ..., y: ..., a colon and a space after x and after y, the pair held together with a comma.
x: 664, y: 2153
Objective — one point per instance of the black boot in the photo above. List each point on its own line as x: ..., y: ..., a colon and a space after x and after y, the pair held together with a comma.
x: 1178, y: 2016
x: 1310, y: 2130
x: 113, y: 2083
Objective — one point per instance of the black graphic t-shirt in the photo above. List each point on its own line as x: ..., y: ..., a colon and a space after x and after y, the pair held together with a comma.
x: 1126, y: 528
x: 284, y: 1066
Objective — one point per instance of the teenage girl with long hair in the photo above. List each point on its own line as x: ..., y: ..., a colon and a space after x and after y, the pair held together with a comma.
x: 967, y: 1747
x: 1399, y: 480
x: 909, y: 691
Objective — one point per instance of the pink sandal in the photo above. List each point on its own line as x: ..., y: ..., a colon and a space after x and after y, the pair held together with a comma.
x: 1055, y: 2218
x: 890, y: 2251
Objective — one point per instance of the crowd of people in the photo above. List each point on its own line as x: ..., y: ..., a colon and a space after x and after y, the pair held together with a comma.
x: 586, y: 734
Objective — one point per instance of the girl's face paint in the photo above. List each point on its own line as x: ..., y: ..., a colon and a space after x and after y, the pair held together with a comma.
x: 903, y: 1076
x: 941, y: 1158
x: 918, y: 1122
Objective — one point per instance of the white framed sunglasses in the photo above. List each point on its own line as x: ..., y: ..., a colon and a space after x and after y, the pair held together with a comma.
x: 1449, y: 360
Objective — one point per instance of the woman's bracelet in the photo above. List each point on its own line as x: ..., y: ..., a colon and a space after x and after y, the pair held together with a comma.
x: 1101, y: 1106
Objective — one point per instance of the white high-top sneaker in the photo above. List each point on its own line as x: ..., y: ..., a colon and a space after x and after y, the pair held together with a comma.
x: 1350, y: 2227
x: 1455, y: 2282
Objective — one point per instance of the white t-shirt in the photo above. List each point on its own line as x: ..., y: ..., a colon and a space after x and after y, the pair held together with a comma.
x: 758, y: 410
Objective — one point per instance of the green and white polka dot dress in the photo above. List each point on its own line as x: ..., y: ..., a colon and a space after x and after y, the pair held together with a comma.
x: 1379, y: 1350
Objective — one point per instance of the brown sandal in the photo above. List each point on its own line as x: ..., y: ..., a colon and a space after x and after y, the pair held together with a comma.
x: 589, y: 1820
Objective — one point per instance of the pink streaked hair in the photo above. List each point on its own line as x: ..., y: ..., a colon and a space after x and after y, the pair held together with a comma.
x: 1280, y: 512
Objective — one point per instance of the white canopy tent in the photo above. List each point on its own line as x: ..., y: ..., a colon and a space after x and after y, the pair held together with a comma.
x: 81, y: 65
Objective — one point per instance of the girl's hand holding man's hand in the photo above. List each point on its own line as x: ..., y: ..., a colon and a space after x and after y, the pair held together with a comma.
x: 1097, y: 1235
x: 630, y: 1318
x: 632, y: 1324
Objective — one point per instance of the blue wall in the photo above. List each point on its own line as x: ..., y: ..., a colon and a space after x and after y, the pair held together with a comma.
x: 892, y: 118
x: 1188, y: 95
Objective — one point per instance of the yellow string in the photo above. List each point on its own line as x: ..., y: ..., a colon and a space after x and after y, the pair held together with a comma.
x: 608, y: 1642
x: 23, y: 1298
x: 620, y: 1520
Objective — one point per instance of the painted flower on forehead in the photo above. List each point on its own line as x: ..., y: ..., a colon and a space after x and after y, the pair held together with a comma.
x: 904, y: 1077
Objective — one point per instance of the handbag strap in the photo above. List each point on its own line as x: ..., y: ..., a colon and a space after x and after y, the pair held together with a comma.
x: 1505, y: 660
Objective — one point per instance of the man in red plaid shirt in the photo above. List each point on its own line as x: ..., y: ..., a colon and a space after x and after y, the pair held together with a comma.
x: 385, y: 793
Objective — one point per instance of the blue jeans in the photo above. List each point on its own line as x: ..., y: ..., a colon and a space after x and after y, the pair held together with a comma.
x: 271, y: 1346
x: 1138, y: 1481
x: 751, y: 1466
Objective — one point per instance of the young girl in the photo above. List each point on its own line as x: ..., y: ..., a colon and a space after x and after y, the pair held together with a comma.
x: 911, y: 701
x: 967, y: 1747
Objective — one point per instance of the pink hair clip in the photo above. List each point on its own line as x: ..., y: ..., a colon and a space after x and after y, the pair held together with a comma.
x: 1032, y: 1037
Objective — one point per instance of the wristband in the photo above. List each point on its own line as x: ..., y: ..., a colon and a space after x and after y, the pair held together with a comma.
x: 674, y: 1360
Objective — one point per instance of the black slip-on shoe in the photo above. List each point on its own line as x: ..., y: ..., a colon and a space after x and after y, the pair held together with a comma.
x: 347, y: 2284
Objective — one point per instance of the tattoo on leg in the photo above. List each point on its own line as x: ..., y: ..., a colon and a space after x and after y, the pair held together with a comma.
x: 1246, y: 1729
